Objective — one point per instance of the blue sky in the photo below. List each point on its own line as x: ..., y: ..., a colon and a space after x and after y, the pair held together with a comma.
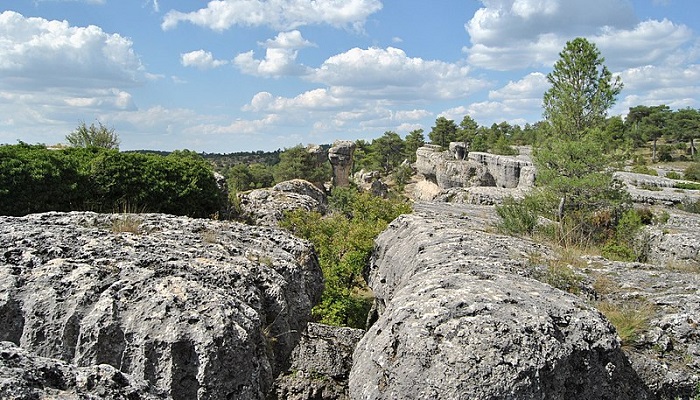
x: 240, y: 75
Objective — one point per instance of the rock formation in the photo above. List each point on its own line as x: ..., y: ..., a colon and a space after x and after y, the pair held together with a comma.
x: 266, y: 207
x: 459, y: 315
x: 474, y: 177
x: 650, y: 189
x: 26, y: 376
x: 199, y: 309
x: 340, y: 157
x: 459, y: 318
x: 320, y: 364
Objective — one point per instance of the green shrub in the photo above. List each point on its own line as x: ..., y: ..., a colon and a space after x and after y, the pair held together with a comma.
x: 687, y: 185
x: 673, y: 175
x: 36, y: 179
x: 344, y: 241
x: 643, y: 169
x: 692, y: 172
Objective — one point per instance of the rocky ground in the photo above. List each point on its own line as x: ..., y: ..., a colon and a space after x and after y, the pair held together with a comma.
x: 198, y: 309
x: 466, y: 313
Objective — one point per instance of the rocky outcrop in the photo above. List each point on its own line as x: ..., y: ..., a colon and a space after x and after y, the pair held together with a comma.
x: 650, y: 189
x: 507, y: 171
x: 266, y: 207
x: 475, y: 178
x: 340, y: 157
x: 26, y: 376
x: 199, y: 309
x: 320, y: 364
x: 460, y: 317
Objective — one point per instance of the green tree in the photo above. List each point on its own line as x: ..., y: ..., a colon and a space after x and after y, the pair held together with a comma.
x: 444, y: 132
x: 413, y: 141
x: 298, y: 163
x: 686, y: 123
x: 93, y: 136
x: 467, y: 129
x: 388, y: 151
x: 582, y: 90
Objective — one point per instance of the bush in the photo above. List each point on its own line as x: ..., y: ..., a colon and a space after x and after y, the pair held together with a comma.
x: 36, y: 179
x: 344, y: 241
x: 692, y: 172
x: 643, y: 169
x: 673, y: 175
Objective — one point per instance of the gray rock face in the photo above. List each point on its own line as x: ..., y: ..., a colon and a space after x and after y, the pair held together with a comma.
x: 266, y: 207
x: 26, y: 376
x: 480, y: 178
x: 340, y: 157
x: 459, y: 318
x: 650, y: 189
x: 320, y: 364
x: 199, y: 309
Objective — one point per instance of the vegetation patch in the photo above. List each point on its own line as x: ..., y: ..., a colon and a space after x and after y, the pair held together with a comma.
x: 630, y: 318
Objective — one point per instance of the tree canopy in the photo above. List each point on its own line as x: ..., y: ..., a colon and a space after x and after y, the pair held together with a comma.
x: 93, y: 136
x: 582, y: 89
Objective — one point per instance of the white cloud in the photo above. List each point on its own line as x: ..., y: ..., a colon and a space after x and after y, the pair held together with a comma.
x: 36, y: 53
x: 280, y: 57
x: 512, y: 34
x: 676, y: 87
x: 390, y: 74
x: 278, y: 14
x: 200, y: 59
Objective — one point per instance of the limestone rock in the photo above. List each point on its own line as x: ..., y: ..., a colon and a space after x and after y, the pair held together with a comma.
x: 267, y: 206
x: 197, y: 308
x: 340, y: 157
x: 460, y: 318
x: 506, y: 170
x: 650, y: 189
x: 320, y: 364
x: 27, y: 376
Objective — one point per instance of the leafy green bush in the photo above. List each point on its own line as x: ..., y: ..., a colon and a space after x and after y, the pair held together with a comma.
x: 36, y: 179
x: 687, y: 185
x: 344, y: 241
x: 673, y: 175
x: 692, y: 172
x: 643, y: 169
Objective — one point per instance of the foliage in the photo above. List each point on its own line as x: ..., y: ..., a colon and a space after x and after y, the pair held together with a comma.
x: 444, y: 132
x: 242, y: 177
x: 413, y: 141
x: 582, y: 89
x: 643, y: 169
x: 630, y: 318
x: 344, y: 241
x: 687, y: 185
x: 298, y: 163
x: 692, y: 172
x: 686, y: 125
x: 503, y: 148
x: 93, y: 136
x: 36, y: 179
x: 388, y: 151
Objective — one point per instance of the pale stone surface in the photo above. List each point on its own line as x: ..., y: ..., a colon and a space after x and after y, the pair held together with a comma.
x: 199, y: 309
x: 340, y: 157
x: 266, y: 207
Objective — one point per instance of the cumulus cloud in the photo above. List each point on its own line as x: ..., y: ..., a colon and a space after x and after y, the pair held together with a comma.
x: 280, y: 57
x: 512, y: 34
x: 200, y: 59
x: 36, y: 53
x: 390, y: 74
x: 220, y: 15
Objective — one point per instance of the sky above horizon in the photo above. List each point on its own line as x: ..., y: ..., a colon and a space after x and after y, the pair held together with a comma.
x: 243, y: 75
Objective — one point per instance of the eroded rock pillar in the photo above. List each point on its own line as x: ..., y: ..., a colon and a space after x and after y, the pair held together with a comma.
x: 340, y: 157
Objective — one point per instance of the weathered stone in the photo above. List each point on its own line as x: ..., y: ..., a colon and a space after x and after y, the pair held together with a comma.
x: 340, y: 157
x: 26, y: 376
x: 459, y: 318
x: 650, y: 189
x: 266, y: 207
x: 506, y: 170
x: 320, y: 364
x: 197, y: 308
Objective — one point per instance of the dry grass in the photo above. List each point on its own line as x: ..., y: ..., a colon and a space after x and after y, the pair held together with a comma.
x: 126, y: 223
x: 630, y: 318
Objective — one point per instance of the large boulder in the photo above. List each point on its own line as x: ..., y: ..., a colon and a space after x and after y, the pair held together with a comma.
x: 199, y: 309
x: 266, y: 207
x: 650, y: 189
x: 460, y: 317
